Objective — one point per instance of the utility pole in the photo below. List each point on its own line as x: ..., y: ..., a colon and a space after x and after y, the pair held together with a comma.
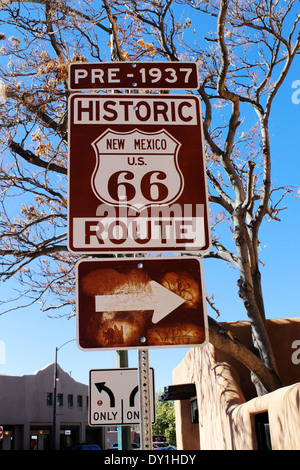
x: 55, y: 395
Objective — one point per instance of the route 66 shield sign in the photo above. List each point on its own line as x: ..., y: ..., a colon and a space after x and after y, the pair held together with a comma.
x: 137, y: 168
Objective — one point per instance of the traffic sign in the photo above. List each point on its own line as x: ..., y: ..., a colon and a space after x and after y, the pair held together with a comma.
x: 133, y: 75
x: 125, y: 303
x: 114, y: 397
x: 137, y: 180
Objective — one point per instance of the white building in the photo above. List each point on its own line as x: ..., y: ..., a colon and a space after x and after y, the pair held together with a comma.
x: 28, y: 417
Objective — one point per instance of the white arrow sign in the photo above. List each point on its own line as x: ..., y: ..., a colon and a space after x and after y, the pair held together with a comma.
x: 158, y: 298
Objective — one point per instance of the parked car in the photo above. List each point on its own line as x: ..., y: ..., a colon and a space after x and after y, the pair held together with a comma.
x: 160, y: 445
x: 113, y: 447
x: 135, y: 446
x: 86, y: 447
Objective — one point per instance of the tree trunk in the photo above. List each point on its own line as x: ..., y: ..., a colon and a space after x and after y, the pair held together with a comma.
x: 263, y: 378
x: 251, y: 294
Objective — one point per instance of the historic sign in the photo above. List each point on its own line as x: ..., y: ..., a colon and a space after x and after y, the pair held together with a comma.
x: 114, y: 397
x: 137, y: 179
x: 125, y: 303
x: 133, y: 75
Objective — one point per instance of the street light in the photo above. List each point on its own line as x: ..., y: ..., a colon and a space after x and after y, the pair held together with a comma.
x: 55, y: 394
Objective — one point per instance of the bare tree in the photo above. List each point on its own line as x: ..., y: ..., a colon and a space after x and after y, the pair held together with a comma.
x: 244, y: 53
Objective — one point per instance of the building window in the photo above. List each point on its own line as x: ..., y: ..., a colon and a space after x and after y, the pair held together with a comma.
x: 49, y: 399
x: 60, y: 399
x: 70, y: 400
x: 194, y: 412
x: 263, y: 434
x: 79, y: 401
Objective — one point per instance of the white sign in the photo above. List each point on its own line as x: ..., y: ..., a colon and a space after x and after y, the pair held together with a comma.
x: 137, y: 110
x: 114, y: 397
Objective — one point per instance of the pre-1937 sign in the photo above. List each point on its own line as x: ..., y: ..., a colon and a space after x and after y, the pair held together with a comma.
x: 114, y: 397
x: 137, y: 178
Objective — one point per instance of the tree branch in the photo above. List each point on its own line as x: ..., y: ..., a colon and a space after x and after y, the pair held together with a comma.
x: 116, y: 51
x: 30, y: 157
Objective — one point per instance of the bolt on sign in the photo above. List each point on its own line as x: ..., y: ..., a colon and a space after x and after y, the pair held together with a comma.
x: 114, y: 397
x: 125, y: 303
x: 133, y: 75
x: 137, y: 179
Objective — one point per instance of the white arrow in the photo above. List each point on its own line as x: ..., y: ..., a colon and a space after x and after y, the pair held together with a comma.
x: 161, y: 300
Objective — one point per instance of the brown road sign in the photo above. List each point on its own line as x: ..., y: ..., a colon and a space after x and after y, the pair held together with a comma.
x: 133, y: 75
x: 140, y: 302
x: 137, y: 180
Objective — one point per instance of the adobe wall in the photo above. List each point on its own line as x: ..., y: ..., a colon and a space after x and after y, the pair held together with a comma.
x: 285, y: 339
x: 225, y: 395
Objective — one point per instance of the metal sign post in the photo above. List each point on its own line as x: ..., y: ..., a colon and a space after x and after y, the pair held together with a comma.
x: 124, y: 432
x: 145, y: 400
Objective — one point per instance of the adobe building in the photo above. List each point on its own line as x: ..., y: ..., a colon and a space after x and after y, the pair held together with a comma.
x: 28, y: 417
x: 216, y: 405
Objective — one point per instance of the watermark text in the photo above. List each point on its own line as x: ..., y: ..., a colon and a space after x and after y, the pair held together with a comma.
x: 296, y: 93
